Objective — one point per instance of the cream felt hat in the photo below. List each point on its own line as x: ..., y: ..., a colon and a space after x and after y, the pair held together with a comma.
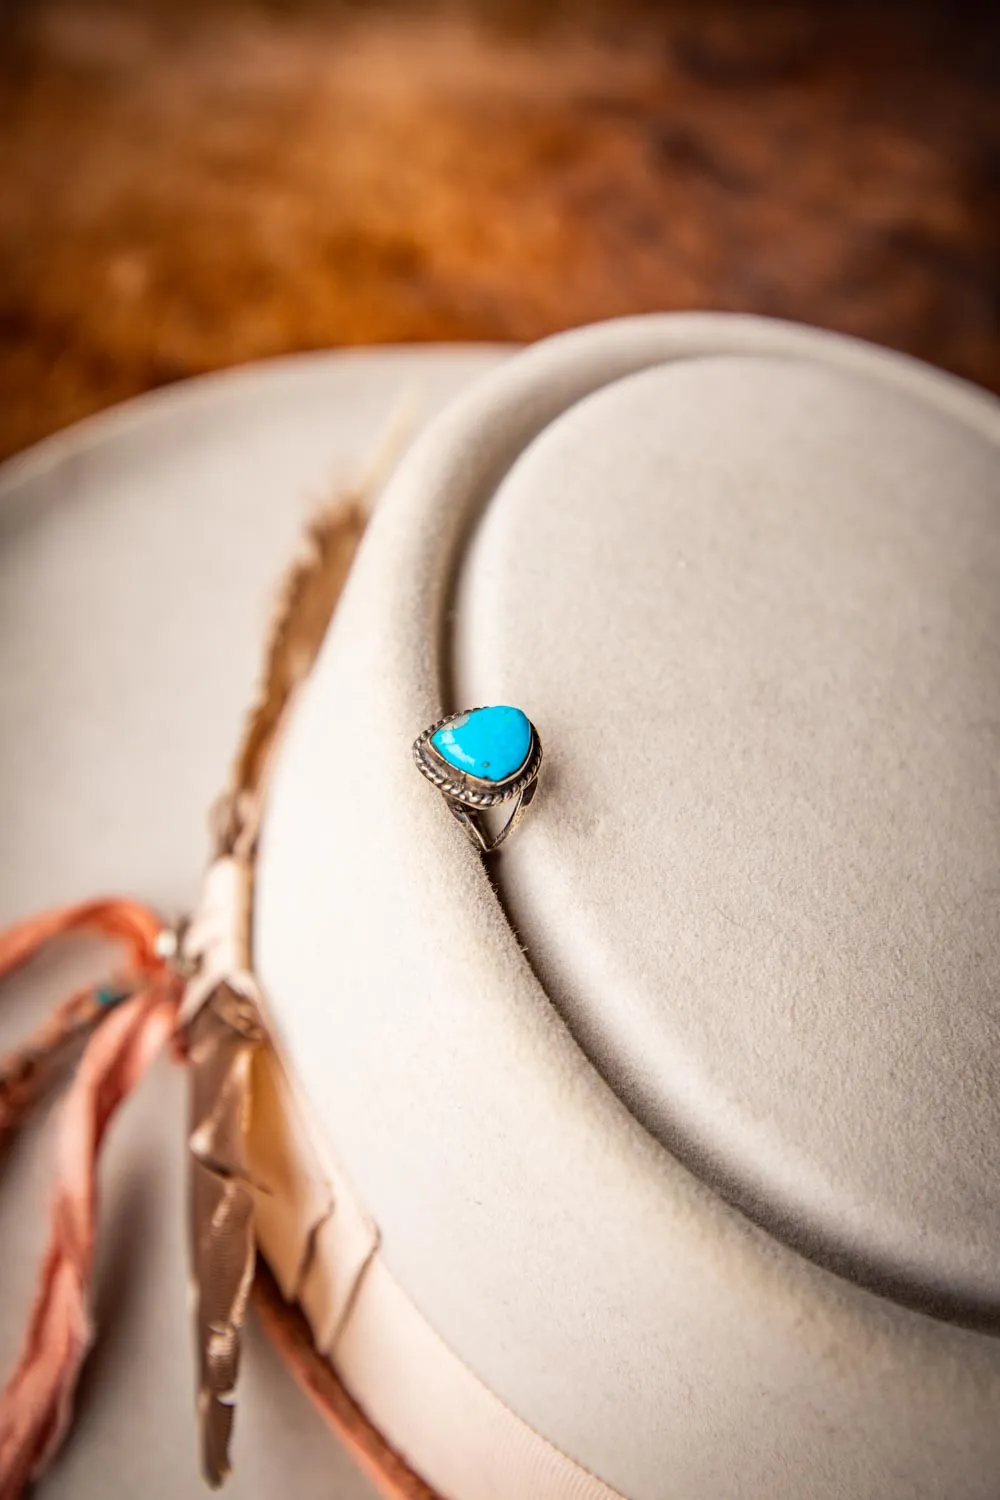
x: 659, y: 1155
x: 141, y: 556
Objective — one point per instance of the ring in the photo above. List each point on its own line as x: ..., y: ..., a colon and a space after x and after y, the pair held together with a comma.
x: 479, y: 759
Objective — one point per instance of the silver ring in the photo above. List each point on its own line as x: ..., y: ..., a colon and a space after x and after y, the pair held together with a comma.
x: 478, y: 760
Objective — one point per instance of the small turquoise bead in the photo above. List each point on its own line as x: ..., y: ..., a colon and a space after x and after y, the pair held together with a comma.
x: 108, y: 996
x: 491, y: 743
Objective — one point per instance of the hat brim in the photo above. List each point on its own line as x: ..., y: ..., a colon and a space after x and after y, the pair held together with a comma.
x: 139, y: 557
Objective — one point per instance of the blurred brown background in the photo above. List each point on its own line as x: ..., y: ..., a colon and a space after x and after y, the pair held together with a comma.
x: 189, y: 183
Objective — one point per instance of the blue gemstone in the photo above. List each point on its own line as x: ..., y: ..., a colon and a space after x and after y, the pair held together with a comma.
x: 491, y: 743
x: 109, y: 995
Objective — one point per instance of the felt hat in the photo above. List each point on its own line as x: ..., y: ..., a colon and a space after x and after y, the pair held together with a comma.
x: 657, y: 1155
x: 143, y: 554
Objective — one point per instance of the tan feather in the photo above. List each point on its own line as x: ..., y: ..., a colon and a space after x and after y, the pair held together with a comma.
x: 221, y: 1042
x: 306, y: 604
x: 226, y: 1029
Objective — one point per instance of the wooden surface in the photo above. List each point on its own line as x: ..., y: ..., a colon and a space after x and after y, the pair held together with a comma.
x: 186, y: 184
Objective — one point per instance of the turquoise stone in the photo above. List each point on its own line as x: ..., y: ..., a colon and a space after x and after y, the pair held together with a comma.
x: 491, y: 743
x: 109, y: 995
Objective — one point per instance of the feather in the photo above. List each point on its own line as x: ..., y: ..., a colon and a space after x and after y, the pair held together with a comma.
x: 222, y: 1040
x: 220, y: 1033
x: 305, y: 606
x: 223, y: 1028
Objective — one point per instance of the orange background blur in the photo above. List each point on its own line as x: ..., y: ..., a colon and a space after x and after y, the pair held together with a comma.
x: 186, y: 184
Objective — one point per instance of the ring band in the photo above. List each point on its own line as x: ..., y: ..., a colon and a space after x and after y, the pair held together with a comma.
x: 478, y: 760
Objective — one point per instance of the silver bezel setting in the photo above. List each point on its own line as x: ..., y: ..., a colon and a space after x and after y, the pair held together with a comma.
x: 473, y: 791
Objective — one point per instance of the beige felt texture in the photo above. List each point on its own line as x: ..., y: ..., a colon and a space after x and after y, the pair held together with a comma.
x: 765, y: 887
x: 601, y: 1286
x: 139, y: 560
